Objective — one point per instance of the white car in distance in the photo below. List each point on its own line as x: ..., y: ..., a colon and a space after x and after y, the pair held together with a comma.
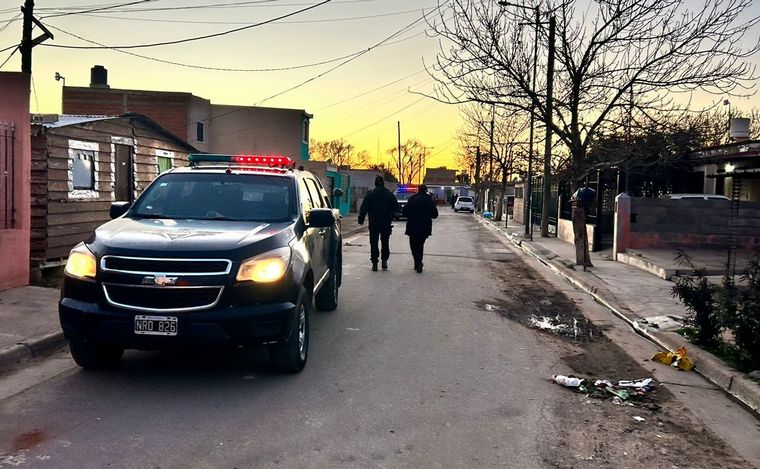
x: 464, y: 204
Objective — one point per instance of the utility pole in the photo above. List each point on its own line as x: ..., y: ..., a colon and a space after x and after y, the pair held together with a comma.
x: 528, y: 196
x: 477, y: 175
x: 27, y: 43
x: 400, y: 179
x: 547, y: 192
x: 26, y: 37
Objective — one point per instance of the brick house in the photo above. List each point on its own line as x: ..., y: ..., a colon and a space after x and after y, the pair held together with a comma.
x: 211, y: 128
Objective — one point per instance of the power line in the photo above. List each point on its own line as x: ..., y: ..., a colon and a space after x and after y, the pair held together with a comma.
x: 8, y: 48
x: 204, y: 67
x: 9, y: 57
x: 92, y: 10
x: 195, y: 38
x: 370, y: 91
x: 244, y: 4
x: 345, y: 62
x: 325, y: 20
x: 386, y: 117
x: 220, y: 69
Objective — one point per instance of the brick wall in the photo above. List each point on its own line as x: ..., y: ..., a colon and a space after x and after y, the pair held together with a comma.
x: 170, y: 110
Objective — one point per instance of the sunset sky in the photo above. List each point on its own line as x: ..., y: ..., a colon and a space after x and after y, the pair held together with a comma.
x: 360, y: 100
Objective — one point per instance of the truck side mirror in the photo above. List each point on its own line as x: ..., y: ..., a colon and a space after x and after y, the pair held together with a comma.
x: 118, y: 209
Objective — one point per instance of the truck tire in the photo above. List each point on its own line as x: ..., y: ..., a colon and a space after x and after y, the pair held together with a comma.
x: 290, y: 355
x: 327, y: 298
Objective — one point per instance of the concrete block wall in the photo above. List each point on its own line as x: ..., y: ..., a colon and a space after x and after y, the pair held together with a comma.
x: 691, y: 223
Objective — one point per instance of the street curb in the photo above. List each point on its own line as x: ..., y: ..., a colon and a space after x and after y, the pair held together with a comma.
x: 733, y: 382
x: 16, y: 355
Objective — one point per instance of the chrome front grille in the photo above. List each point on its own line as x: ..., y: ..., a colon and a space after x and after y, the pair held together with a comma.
x: 168, y: 266
x: 162, y: 299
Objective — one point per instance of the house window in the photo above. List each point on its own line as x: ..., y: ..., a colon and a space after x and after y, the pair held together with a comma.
x: 200, y: 132
x: 305, y: 131
x: 83, y: 170
x: 163, y: 163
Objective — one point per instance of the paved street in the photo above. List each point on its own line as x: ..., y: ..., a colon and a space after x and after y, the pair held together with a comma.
x: 410, y: 371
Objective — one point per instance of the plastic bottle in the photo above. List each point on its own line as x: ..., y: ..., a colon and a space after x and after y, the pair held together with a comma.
x: 567, y: 381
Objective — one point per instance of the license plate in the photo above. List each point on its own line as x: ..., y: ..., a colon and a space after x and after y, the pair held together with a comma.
x: 156, y: 325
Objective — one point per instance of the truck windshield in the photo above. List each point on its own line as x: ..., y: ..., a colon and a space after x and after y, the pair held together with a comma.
x: 236, y: 197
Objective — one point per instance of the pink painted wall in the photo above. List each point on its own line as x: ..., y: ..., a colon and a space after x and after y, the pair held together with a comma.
x: 14, y: 243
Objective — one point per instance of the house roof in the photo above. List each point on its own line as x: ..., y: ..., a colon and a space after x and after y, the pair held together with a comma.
x: 732, y: 151
x: 65, y: 120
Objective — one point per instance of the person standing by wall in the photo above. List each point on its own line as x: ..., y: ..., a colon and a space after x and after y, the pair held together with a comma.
x: 380, y: 204
x: 419, y: 212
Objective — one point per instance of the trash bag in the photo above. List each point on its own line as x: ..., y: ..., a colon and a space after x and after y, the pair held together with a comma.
x: 678, y: 359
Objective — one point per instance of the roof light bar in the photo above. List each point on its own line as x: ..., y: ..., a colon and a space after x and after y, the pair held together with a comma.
x: 266, y: 161
x: 407, y: 189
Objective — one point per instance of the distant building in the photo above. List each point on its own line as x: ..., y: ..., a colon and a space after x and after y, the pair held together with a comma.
x: 440, y: 176
x: 211, y: 128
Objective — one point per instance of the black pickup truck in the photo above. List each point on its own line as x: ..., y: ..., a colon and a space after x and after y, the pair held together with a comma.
x: 231, y: 251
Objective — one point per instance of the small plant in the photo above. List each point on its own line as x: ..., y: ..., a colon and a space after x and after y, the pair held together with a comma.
x: 745, y: 323
x: 696, y: 293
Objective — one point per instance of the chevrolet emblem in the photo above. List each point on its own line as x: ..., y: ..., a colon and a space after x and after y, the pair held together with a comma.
x: 159, y: 280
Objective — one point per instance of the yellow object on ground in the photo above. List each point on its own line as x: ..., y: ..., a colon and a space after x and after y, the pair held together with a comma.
x: 678, y: 359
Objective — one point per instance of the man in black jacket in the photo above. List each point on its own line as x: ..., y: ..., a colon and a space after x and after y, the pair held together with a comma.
x: 380, y: 204
x: 419, y: 212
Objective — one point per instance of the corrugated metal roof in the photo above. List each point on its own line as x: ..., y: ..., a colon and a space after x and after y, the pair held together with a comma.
x: 71, y: 119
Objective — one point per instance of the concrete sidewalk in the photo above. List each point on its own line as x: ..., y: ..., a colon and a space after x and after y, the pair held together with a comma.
x: 638, y: 297
x: 29, y: 326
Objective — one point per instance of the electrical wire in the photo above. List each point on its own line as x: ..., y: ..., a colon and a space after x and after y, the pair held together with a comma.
x: 345, y: 62
x: 9, y: 48
x: 9, y: 57
x: 195, y: 38
x: 92, y: 10
x: 229, y: 23
x: 204, y: 67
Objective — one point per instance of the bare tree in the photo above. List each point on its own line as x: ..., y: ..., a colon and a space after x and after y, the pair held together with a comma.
x: 412, y: 161
x: 338, y: 152
x: 384, y: 168
x: 509, y: 151
x: 612, y: 56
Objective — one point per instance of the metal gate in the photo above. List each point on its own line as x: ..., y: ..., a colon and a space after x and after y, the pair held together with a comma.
x: 7, y: 176
x: 537, y: 204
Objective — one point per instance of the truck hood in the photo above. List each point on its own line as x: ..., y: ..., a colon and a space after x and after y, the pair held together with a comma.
x: 183, y: 235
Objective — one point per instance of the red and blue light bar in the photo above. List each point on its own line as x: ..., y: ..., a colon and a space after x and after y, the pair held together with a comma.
x: 266, y: 161
x: 405, y: 188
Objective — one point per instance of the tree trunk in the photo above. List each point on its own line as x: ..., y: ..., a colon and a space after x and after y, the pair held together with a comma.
x: 582, y: 256
x: 500, y: 200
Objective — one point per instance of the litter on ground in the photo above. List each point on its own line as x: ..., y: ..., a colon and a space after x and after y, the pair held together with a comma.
x: 622, y: 392
x: 677, y: 359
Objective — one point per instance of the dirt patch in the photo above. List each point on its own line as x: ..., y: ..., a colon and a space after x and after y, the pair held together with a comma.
x: 655, y: 431
x: 527, y: 299
x: 599, y: 433
x: 28, y: 440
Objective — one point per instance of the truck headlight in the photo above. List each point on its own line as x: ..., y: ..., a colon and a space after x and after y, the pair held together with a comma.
x: 265, y: 268
x: 81, y: 262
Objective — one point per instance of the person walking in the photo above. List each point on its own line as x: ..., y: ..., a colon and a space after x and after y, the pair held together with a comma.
x: 453, y: 200
x: 381, y: 205
x: 419, y: 212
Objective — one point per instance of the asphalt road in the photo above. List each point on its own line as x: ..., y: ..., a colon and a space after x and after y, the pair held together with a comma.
x: 410, y: 371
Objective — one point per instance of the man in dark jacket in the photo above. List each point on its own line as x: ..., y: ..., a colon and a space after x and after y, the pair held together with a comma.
x: 419, y: 212
x: 380, y: 204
